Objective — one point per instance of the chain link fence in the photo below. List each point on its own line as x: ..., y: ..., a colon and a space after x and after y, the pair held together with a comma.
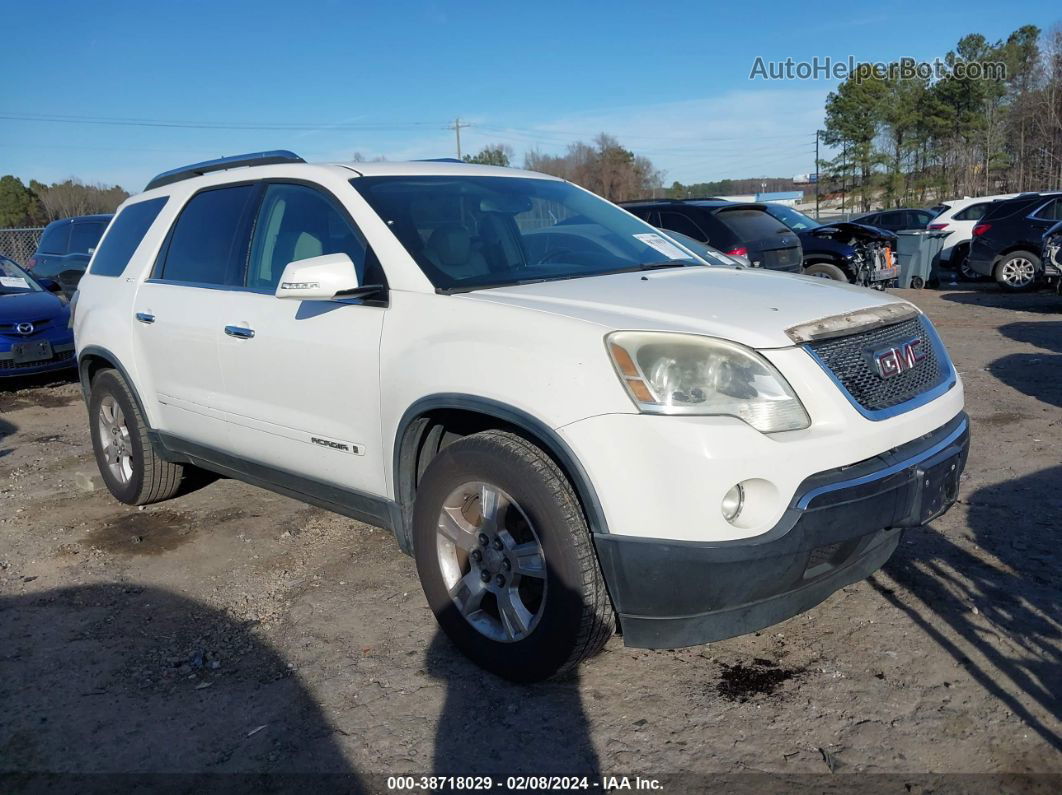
x: 19, y: 244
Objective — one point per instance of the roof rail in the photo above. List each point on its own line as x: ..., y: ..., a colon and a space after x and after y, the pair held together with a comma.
x: 440, y: 160
x: 223, y: 163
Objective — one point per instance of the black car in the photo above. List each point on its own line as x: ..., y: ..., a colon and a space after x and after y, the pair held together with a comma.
x: 1008, y: 242
x: 897, y: 220
x: 65, y: 249
x: 846, y: 252
x: 738, y: 229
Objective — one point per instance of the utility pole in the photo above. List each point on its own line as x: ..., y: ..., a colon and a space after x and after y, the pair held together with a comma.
x: 456, y: 127
x: 816, y: 175
x: 844, y: 172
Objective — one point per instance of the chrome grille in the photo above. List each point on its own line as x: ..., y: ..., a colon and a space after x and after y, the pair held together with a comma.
x: 850, y: 359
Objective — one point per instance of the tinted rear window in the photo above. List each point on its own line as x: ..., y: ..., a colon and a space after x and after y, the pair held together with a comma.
x: 127, y: 230
x: 751, y: 224
x: 209, y: 241
x: 85, y: 237
x: 971, y: 213
x: 54, y: 239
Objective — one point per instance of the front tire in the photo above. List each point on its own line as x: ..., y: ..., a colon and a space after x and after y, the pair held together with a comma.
x: 505, y: 558
x: 1016, y: 272
x: 825, y: 270
x: 128, y: 463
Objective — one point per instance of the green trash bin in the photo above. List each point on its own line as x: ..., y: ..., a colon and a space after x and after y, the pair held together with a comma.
x: 918, y: 252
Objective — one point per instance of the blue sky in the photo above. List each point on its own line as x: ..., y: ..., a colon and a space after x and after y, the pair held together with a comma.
x: 670, y: 80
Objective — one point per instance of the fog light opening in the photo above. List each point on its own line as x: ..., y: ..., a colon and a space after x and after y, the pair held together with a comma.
x: 733, y: 502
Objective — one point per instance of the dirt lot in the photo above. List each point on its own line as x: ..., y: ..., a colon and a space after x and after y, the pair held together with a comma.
x: 233, y: 630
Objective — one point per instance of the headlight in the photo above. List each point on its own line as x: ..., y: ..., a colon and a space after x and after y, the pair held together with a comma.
x: 670, y: 373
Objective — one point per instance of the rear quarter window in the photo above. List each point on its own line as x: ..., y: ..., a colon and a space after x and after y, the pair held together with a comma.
x: 55, y: 238
x: 126, y: 232
x: 751, y: 224
x: 971, y: 213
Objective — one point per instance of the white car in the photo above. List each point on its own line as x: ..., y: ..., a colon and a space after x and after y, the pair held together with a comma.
x: 958, y: 217
x: 567, y: 418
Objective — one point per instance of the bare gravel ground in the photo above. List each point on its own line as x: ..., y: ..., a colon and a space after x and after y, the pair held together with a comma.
x: 233, y: 630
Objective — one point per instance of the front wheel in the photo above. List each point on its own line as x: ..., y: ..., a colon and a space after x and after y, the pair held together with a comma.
x: 825, y: 270
x: 505, y: 558
x: 1017, y: 271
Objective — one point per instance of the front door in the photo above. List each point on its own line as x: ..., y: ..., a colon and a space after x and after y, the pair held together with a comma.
x: 302, y: 388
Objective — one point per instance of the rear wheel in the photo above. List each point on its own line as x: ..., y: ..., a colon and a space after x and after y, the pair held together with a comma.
x: 130, y: 468
x: 505, y: 558
x: 1017, y: 271
x: 825, y: 270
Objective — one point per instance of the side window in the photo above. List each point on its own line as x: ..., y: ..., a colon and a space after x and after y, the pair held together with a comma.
x: 208, y: 243
x: 126, y: 232
x: 1051, y: 211
x: 296, y: 222
x: 677, y: 222
x: 971, y: 213
x: 84, y: 237
x: 54, y: 239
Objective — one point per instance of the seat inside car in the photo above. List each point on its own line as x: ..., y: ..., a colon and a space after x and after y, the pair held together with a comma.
x: 450, y: 249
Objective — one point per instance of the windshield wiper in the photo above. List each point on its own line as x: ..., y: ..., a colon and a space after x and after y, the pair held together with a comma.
x: 652, y: 266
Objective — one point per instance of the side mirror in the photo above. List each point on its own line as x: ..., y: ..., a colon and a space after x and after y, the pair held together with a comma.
x: 319, y: 279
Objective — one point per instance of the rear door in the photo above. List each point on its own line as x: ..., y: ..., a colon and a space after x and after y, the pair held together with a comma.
x: 179, y: 311
x: 302, y: 378
x: 770, y: 243
x: 1043, y: 218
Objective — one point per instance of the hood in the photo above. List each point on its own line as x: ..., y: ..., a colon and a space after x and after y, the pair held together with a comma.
x: 751, y: 306
x: 23, y: 307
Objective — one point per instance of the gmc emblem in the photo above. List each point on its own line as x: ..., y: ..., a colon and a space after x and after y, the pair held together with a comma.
x: 898, y: 359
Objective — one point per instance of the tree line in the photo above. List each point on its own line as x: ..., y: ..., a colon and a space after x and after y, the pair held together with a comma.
x: 603, y: 166
x: 38, y: 204
x: 905, y: 138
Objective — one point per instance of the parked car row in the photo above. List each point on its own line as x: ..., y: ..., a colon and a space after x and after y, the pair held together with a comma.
x: 1009, y: 239
x: 571, y: 420
x: 779, y: 238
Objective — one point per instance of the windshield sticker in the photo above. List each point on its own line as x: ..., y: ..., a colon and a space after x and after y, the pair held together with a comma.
x: 664, y: 246
x: 14, y: 281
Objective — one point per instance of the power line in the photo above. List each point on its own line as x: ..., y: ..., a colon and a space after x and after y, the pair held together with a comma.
x: 221, y: 125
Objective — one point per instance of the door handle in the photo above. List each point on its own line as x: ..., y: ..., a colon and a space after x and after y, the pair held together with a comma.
x: 241, y: 332
x: 145, y: 317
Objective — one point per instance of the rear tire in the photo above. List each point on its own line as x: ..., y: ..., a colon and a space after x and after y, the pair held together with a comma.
x: 825, y: 270
x: 521, y: 611
x: 128, y: 463
x: 1016, y: 272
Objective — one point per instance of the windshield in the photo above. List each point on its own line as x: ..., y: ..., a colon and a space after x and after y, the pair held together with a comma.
x: 468, y: 232
x: 795, y: 220
x: 14, y: 280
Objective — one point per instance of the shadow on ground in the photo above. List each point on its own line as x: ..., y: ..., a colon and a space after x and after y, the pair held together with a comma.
x: 1038, y: 375
x: 490, y: 726
x: 6, y: 429
x: 1046, y: 302
x: 1007, y: 605
x: 143, y: 682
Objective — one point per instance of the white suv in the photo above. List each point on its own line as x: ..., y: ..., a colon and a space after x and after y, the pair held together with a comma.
x: 958, y: 217
x: 569, y: 419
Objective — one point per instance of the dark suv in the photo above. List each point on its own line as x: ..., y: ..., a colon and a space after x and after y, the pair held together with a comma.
x: 897, y: 220
x: 1007, y: 243
x: 65, y: 249
x: 745, y: 230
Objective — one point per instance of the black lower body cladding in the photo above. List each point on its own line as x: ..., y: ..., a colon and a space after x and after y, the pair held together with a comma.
x: 841, y: 526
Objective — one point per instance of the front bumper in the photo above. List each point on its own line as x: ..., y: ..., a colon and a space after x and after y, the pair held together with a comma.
x: 841, y: 526
x: 62, y: 357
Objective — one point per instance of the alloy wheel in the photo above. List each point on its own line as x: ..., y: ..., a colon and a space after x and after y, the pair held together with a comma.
x: 116, y: 445
x: 491, y: 561
x: 1018, y: 272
